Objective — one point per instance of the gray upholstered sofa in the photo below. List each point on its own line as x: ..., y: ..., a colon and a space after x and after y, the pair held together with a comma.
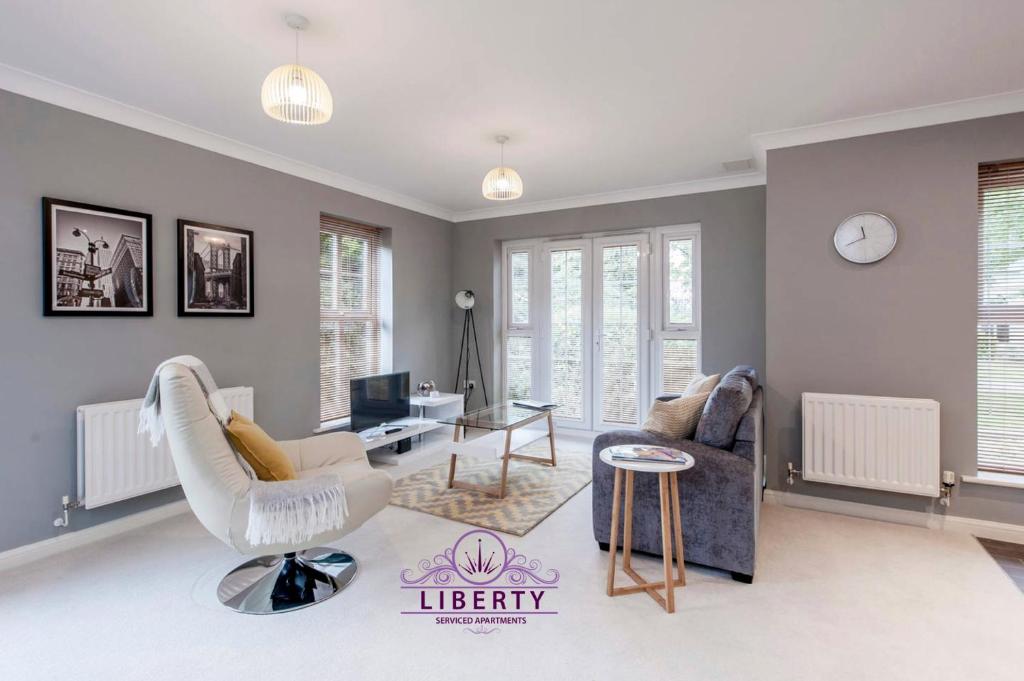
x: 719, y: 497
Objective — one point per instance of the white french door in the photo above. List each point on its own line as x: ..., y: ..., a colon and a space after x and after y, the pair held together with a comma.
x: 620, y: 326
x: 567, y: 330
x: 598, y: 325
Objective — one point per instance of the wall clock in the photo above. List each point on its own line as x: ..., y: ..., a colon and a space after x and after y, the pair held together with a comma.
x: 865, y: 237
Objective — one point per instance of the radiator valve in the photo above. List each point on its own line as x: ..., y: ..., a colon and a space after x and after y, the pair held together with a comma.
x: 791, y: 473
x: 946, y: 491
x: 66, y: 505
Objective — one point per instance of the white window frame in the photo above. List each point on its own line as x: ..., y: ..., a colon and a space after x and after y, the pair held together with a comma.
x: 531, y: 252
x: 663, y: 328
x: 654, y: 324
x: 508, y: 329
x: 642, y: 240
x: 544, y: 371
x: 385, y: 313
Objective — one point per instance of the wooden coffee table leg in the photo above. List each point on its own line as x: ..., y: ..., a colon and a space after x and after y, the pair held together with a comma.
x: 551, y: 437
x: 613, y: 539
x: 451, y: 465
x: 504, y: 462
x: 666, y: 542
x: 678, y: 528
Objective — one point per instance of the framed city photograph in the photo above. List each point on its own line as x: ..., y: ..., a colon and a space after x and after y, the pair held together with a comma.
x: 215, y: 270
x: 97, y: 261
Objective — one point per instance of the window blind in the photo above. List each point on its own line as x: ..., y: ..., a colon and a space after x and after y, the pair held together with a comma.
x: 566, y: 287
x: 350, y: 325
x: 678, y: 364
x: 1000, y: 349
x: 519, y: 289
x: 620, y: 317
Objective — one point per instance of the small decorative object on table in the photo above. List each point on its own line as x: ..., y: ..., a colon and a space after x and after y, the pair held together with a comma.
x: 426, y: 388
x: 666, y: 462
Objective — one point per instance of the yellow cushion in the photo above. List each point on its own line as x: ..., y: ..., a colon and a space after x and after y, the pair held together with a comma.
x: 266, y: 457
x: 676, y: 418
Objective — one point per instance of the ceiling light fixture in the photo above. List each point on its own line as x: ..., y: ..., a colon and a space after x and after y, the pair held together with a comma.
x: 502, y: 184
x: 294, y: 93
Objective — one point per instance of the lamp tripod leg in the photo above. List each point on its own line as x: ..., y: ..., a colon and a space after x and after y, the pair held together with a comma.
x: 458, y: 365
x: 479, y: 361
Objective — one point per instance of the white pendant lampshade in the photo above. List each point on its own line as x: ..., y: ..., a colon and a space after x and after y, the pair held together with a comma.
x: 502, y: 183
x: 295, y: 94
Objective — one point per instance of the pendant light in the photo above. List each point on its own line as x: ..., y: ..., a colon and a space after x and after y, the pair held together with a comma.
x: 502, y: 184
x: 293, y: 93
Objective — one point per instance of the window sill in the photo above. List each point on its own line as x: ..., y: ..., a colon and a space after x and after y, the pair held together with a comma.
x: 995, y: 479
x: 331, y: 426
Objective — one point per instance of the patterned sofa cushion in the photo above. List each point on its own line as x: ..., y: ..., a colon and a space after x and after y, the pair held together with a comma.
x: 728, y: 402
x: 676, y: 418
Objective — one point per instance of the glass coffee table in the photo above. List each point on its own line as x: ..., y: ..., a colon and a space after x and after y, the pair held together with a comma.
x: 504, y: 416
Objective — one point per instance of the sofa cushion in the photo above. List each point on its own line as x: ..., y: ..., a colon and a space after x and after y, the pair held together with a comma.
x: 702, y: 384
x: 725, y: 407
x: 259, y: 450
x: 747, y: 372
x: 676, y: 418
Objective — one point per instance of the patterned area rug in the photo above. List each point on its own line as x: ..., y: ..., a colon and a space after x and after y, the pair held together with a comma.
x: 534, y: 491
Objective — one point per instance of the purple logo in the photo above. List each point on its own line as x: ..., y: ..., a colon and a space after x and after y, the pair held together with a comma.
x: 480, y: 581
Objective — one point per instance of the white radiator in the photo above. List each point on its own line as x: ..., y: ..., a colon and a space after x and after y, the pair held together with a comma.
x: 886, y: 443
x: 115, y: 462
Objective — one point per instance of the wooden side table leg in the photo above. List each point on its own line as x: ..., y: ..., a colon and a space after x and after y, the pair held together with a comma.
x: 613, y: 539
x: 666, y: 542
x: 451, y: 465
x: 551, y: 437
x: 678, y: 529
x: 504, y: 462
x: 627, y: 524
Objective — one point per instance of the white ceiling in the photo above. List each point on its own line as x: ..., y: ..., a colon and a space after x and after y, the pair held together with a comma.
x: 598, y: 96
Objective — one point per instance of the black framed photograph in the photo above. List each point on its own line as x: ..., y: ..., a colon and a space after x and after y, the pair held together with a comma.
x: 215, y: 270
x: 97, y: 261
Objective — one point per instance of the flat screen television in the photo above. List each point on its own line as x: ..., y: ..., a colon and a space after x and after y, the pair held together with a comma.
x: 379, y: 399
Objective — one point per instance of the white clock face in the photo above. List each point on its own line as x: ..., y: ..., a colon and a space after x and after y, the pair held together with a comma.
x: 865, y: 237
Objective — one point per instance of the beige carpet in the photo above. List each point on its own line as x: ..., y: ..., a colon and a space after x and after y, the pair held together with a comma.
x: 534, y: 491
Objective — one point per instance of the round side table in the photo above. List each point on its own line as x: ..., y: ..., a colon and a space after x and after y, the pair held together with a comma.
x: 668, y: 485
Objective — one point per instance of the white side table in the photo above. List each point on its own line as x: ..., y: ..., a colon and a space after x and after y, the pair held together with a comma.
x: 445, y: 404
x: 668, y: 485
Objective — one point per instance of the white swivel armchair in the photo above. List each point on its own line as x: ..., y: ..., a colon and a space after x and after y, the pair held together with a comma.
x: 218, y: 488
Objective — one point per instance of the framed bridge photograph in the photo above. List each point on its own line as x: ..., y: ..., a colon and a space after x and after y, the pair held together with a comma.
x: 215, y: 270
x: 97, y: 261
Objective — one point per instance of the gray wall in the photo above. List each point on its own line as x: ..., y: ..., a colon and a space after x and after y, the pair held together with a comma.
x: 48, y: 366
x: 903, y: 327
x: 732, y: 264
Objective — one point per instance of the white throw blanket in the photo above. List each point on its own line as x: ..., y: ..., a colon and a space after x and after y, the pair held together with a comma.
x: 293, y: 511
x: 149, y: 415
x: 287, y: 512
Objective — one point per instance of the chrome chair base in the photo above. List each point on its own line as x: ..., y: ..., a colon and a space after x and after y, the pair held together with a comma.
x: 273, y: 584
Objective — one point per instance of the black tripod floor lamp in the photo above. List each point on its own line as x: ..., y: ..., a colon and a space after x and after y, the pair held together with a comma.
x: 465, y: 300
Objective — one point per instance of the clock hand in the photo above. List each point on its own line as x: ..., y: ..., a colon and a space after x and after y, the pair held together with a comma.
x: 862, y: 234
x: 855, y: 241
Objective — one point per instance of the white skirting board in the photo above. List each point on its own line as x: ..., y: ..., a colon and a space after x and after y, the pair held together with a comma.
x: 931, y: 521
x: 29, y: 553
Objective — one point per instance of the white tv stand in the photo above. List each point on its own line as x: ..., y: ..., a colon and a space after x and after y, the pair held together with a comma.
x: 430, y: 409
